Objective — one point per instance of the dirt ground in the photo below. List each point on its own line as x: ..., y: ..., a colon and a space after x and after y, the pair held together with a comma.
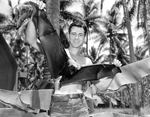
x: 116, y: 112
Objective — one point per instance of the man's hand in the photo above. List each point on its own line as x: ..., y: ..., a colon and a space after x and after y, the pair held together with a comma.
x: 74, y: 63
x: 39, y: 3
x: 117, y: 63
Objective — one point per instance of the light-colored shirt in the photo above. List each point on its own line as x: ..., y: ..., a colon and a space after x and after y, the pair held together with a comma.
x: 72, y: 88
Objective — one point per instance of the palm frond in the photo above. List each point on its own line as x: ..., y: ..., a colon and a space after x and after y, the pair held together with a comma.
x: 5, y: 28
x: 93, y: 53
x: 89, y: 18
x: 123, y: 58
x: 101, y: 33
x: 93, y: 10
x: 101, y: 5
x: 119, y: 45
x: 144, y: 50
x: 140, y: 52
x: 122, y: 25
x: 10, y: 3
x: 3, y: 18
x: 65, y: 3
x: 121, y: 36
x: 88, y: 7
x: 132, y: 11
x: 70, y: 16
x: 117, y: 4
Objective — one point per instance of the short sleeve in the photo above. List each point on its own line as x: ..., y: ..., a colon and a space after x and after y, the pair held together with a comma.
x: 88, y: 61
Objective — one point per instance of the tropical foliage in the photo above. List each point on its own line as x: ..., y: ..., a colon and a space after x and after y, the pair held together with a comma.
x: 113, y: 34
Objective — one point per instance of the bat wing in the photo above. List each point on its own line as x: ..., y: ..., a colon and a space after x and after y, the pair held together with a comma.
x: 92, y: 72
x: 8, y: 66
x: 131, y: 73
x: 50, y: 41
x: 57, y: 57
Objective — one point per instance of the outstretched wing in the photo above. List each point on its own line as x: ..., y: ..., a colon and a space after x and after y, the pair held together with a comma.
x: 8, y: 66
x: 92, y: 72
x: 131, y: 73
x: 57, y: 57
x: 50, y: 41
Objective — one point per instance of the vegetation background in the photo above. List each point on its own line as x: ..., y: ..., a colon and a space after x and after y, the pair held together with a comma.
x: 112, y: 34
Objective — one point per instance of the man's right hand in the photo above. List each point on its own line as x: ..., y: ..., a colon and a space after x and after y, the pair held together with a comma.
x: 74, y: 63
x: 41, y: 4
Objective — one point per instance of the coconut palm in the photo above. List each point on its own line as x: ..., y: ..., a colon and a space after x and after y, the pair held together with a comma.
x: 94, y: 55
x: 90, y: 17
x: 92, y: 21
x: 143, y: 19
x: 128, y: 25
x: 6, y: 24
x: 127, y: 18
x: 113, y: 30
x: 141, y: 52
x: 129, y: 10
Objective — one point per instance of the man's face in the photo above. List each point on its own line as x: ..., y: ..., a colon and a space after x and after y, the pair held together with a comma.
x: 76, y: 37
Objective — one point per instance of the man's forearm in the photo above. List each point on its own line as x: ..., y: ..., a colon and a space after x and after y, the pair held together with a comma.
x: 103, y: 84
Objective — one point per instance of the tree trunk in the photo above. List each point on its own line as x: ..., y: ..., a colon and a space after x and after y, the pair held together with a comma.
x: 128, y: 24
x: 111, y: 50
x: 87, y: 41
x: 53, y: 10
x: 146, y: 23
x: 131, y: 49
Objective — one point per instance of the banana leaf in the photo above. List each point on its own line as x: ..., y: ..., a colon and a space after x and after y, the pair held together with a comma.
x: 27, y: 101
x: 8, y: 67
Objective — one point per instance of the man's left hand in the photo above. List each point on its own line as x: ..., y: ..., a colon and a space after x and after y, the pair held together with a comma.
x: 117, y: 63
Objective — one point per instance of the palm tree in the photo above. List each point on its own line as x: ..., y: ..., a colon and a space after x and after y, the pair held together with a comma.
x: 128, y: 15
x: 92, y: 20
x: 132, y: 57
x: 6, y: 24
x: 141, y: 52
x: 93, y: 55
x: 113, y: 30
x: 142, y: 20
x: 90, y: 17
x: 128, y: 25
x: 52, y: 10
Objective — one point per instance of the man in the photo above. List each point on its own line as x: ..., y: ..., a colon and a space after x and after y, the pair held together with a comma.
x: 76, y: 104
x: 73, y: 92
x: 68, y: 100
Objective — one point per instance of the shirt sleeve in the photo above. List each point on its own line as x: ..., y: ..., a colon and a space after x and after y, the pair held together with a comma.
x: 88, y: 61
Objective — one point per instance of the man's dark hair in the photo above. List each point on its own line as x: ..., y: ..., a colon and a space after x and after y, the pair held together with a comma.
x: 78, y: 24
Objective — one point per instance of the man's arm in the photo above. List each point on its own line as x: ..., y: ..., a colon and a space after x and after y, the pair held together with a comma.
x: 103, y: 84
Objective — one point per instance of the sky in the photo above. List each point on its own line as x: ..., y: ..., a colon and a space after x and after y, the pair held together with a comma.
x: 4, y: 8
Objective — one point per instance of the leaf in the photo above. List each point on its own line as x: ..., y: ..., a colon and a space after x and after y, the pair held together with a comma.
x: 27, y: 101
